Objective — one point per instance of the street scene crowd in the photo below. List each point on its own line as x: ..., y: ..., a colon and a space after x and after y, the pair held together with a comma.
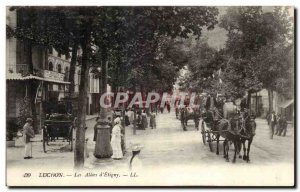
x: 101, y: 87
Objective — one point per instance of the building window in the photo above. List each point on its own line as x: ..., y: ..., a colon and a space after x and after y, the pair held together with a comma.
x: 50, y: 66
x: 60, y: 87
x: 59, y: 68
x: 50, y: 87
x: 79, y: 72
x: 59, y: 54
x: 66, y: 70
x: 66, y: 73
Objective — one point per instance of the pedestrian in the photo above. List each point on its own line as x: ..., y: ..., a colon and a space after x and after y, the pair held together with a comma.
x: 208, y: 103
x: 244, y: 104
x: 168, y: 106
x: 116, y: 140
x: 130, y: 116
x: 153, y: 120
x: 272, y: 123
x: 127, y: 122
x: 95, y: 129
x: 278, y: 124
x: 27, y: 134
x: 135, y: 163
x: 268, y: 118
x: 110, y: 124
x: 144, y: 119
x: 283, y: 126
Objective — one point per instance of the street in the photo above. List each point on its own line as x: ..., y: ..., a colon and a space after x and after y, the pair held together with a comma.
x: 176, y: 156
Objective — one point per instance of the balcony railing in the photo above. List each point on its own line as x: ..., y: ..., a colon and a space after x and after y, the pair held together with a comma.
x: 18, y: 68
x: 54, y: 75
x: 24, y: 70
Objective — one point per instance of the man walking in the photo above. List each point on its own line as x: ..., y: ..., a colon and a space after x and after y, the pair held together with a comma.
x: 283, y: 126
x: 272, y: 123
x: 27, y: 134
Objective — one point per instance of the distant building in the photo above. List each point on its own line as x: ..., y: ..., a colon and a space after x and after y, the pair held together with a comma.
x: 281, y: 105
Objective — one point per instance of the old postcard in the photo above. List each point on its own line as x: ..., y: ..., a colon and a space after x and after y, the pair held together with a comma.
x: 150, y: 96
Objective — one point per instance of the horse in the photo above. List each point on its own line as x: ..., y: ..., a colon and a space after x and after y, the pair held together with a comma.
x: 247, y: 134
x: 230, y: 130
x: 187, y: 113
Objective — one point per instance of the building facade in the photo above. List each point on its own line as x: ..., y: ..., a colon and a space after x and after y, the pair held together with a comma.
x: 51, y: 76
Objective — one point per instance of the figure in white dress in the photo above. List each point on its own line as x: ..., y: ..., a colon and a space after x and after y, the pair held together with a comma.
x: 116, y: 139
x: 135, y: 163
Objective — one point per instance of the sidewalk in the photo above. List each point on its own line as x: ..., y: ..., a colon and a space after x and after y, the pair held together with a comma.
x: 174, y: 156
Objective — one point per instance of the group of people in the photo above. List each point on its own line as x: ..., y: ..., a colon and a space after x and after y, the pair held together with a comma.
x: 142, y: 121
x: 277, y: 123
x: 117, y: 130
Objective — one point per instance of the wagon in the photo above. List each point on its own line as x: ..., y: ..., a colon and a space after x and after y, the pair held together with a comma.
x: 58, y: 127
x: 208, y: 130
x: 211, y: 119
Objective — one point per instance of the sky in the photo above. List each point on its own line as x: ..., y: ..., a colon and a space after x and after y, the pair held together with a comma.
x: 216, y: 38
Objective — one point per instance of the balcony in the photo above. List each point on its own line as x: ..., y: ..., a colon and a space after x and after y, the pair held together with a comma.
x: 18, y: 68
x: 54, y: 75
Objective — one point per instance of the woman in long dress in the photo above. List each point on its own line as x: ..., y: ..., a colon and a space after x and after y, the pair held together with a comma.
x: 135, y: 163
x: 153, y: 120
x: 116, y: 140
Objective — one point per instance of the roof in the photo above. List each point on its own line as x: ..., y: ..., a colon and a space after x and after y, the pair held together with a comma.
x: 286, y: 103
x: 18, y: 76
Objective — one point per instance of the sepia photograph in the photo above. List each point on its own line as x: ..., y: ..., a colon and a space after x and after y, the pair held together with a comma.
x: 132, y: 96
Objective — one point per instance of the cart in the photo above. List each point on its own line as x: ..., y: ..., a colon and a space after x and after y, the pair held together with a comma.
x: 209, y: 130
x: 58, y: 127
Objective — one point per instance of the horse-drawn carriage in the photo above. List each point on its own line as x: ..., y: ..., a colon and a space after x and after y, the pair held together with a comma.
x: 59, y: 123
x: 187, y: 112
x: 58, y: 127
x: 234, y: 126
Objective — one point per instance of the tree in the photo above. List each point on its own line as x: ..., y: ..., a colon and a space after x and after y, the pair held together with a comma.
x: 259, y: 40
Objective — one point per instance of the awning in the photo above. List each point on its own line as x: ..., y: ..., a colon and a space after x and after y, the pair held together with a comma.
x: 286, y: 103
x: 18, y: 76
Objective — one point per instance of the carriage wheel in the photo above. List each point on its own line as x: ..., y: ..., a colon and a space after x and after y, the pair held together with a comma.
x: 203, y: 133
x: 209, y: 140
x: 44, y: 136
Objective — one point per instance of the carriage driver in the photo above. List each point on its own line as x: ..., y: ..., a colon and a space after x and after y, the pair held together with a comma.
x: 229, y: 108
x: 219, y: 104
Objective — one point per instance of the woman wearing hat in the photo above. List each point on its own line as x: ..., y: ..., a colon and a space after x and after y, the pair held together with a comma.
x: 135, y: 164
x: 116, y: 139
x: 27, y: 134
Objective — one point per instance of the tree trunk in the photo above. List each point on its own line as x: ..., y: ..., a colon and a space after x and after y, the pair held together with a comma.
x: 32, y: 85
x: 73, y: 68
x: 82, y: 101
x: 270, y: 96
x: 103, y: 148
x: 256, y: 104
